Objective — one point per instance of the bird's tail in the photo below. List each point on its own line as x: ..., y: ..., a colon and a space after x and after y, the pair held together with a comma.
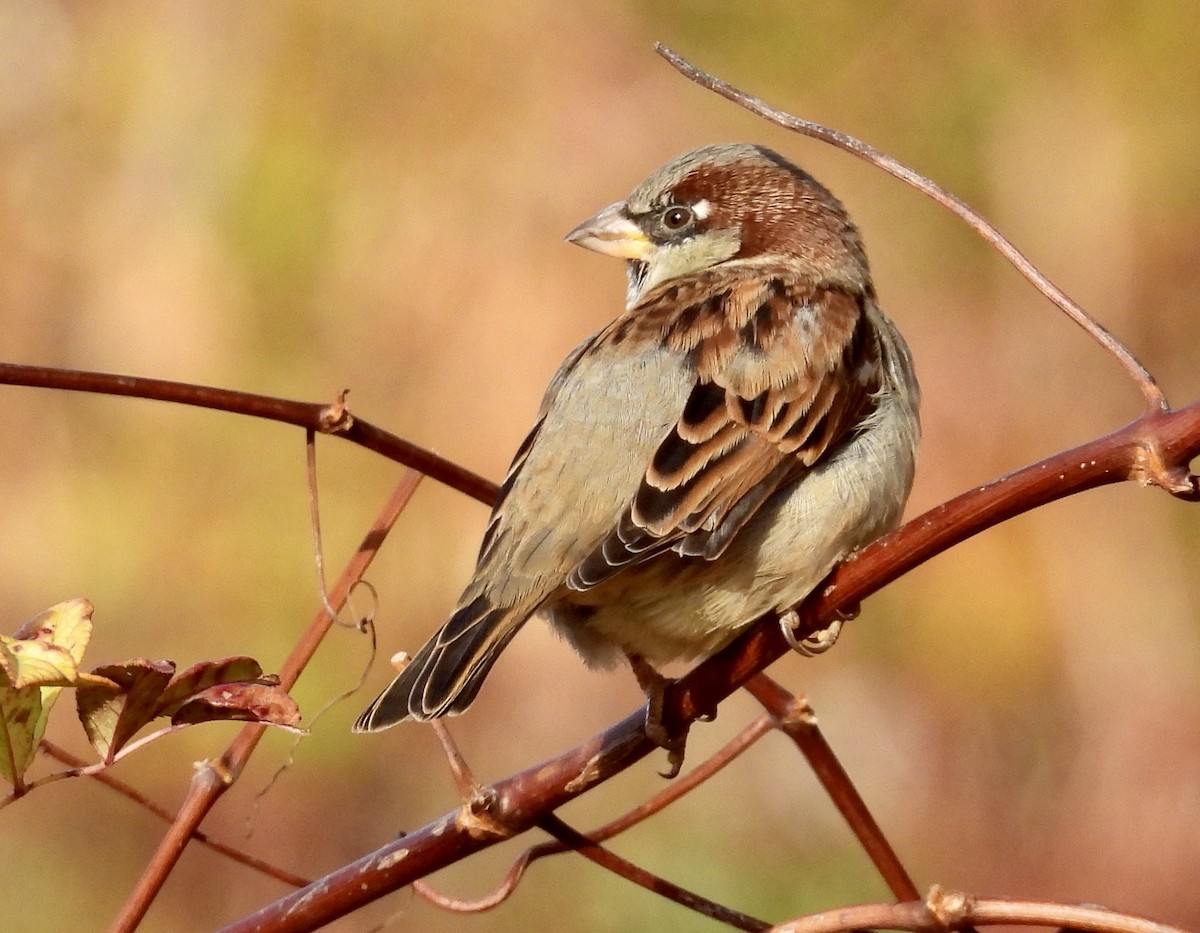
x: 447, y: 672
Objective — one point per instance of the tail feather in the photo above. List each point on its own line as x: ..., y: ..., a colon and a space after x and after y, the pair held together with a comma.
x: 446, y: 674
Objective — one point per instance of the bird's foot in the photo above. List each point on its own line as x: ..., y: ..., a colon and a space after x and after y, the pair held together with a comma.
x: 818, y: 642
x: 655, y: 685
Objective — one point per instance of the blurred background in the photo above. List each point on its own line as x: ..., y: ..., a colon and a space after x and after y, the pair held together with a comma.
x: 295, y: 198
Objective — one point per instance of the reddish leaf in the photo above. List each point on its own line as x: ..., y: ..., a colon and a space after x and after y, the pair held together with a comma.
x: 112, y: 715
x: 266, y: 703
x: 137, y: 691
x: 200, y: 677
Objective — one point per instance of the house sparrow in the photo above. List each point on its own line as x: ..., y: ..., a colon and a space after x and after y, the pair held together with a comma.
x: 749, y: 420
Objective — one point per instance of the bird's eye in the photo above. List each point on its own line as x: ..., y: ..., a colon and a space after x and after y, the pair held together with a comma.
x: 676, y: 218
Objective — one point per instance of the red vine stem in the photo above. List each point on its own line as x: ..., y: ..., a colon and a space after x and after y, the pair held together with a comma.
x: 798, y: 721
x: 132, y: 793
x: 1153, y: 449
x: 326, y: 419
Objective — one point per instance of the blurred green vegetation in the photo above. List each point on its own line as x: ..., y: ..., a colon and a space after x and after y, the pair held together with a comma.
x: 294, y: 198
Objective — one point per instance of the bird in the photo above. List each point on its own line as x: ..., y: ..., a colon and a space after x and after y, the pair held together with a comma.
x: 748, y: 421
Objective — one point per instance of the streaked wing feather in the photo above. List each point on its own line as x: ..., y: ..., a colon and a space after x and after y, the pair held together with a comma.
x: 784, y: 371
x: 444, y: 676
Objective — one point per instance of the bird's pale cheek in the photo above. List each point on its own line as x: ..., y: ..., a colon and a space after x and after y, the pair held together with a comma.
x: 690, y: 256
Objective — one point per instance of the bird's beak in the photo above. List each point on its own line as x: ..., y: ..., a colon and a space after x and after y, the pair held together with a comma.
x: 612, y: 233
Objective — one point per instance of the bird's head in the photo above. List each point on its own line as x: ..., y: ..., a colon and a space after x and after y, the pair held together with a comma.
x: 724, y: 204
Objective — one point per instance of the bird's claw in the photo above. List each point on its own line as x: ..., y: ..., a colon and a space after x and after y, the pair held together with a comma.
x: 675, y: 743
x: 811, y: 645
x: 655, y: 685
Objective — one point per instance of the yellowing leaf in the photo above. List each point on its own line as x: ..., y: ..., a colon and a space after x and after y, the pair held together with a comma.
x: 36, y: 663
x: 20, y: 711
x: 67, y: 625
x: 40, y: 659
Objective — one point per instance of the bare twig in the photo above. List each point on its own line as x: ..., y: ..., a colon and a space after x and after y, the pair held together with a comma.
x: 211, y: 781
x: 688, y: 782
x: 464, y: 780
x: 314, y: 517
x: 1153, y: 395
x: 672, y: 792
x: 99, y: 767
x: 796, y: 719
x: 366, y: 625
x: 592, y: 850
x: 132, y: 793
x: 946, y: 910
x: 324, y: 419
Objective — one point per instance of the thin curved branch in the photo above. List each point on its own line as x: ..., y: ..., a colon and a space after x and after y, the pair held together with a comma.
x: 595, y: 852
x: 688, y: 782
x: 948, y: 910
x: 796, y: 719
x: 1153, y: 395
x: 325, y: 419
x: 132, y: 793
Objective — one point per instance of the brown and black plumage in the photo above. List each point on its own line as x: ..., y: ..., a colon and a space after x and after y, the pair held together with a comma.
x: 747, y: 421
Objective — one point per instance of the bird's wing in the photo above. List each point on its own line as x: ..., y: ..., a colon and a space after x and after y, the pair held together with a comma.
x: 571, y: 477
x: 782, y: 372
